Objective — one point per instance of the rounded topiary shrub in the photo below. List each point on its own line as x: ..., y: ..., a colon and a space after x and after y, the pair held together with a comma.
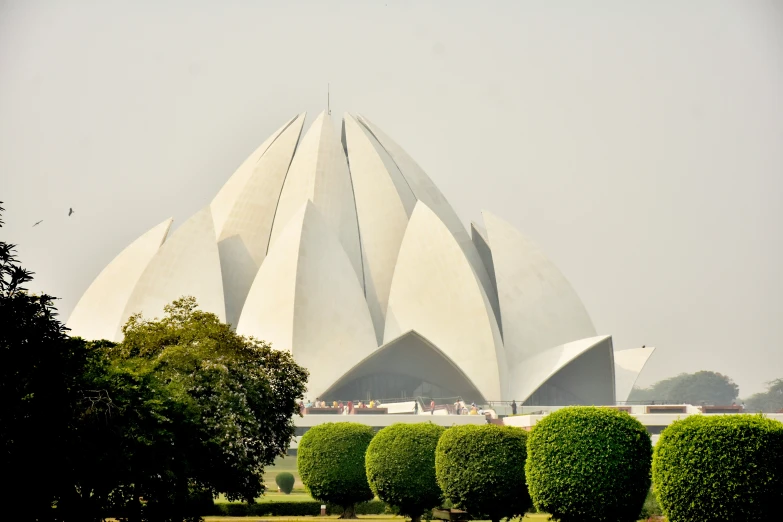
x: 481, y: 468
x: 285, y: 481
x: 588, y: 463
x: 723, y: 467
x: 330, y: 459
x: 400, y: 464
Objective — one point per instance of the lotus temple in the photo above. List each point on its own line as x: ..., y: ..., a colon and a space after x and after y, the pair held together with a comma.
x: 340, y: 249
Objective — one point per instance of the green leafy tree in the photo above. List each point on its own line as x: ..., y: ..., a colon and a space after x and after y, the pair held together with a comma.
x: 690, y: 388
x: 588, y: 463
x: 481, y: 468
x: 770, y: 401
x: 330, y: 459
x: 285, y: 481
x: 196, y: 410
x: 400, y: 464
x: 721, y: 467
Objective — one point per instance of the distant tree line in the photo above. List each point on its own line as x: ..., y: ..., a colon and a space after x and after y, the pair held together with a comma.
x: 770, y: 401
x: 690, y: 388
x: 710, y: 388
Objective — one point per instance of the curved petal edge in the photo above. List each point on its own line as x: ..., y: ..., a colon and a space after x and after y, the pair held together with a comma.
x: 99, y: 312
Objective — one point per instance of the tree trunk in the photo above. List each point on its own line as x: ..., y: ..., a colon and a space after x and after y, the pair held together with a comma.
x: 349, y: 512
x: 417, y: 518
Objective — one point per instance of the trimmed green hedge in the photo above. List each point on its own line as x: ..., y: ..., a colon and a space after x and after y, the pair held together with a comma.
x: 588, y: 463
x: 481, y: 468
x: 400, y: 464
x: 723, y: 467
x: 331, y: 463
x: 285, y: 481
x: 292, y: 509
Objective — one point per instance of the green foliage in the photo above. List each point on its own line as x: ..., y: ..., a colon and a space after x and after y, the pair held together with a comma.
x: 291, y: 509
x: 481, y: 468
x: 330, y: 459
x: 186, y: 408
x: 770, y: 401
x: 285, y: 481
x: 588, y: 463
x: 182, y: 409
x: 690, y: 388
x: 400, y: 464
x: 722, y: 467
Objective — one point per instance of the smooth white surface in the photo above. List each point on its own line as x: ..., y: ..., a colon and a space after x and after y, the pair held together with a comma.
x: 319, y: 173
x: 382, y: 218
x: 436, y: 293
x: 98, y: 313
x: 306, y: 299
x: 187, y: 264
x: 225, y: 199
x: 530, y: 374
x: 539, y: 309
x: 428, y: 193
x: 245, y: 236
x: 628, y: 364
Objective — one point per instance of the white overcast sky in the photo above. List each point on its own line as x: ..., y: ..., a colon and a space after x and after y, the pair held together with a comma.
x: 639, y: 143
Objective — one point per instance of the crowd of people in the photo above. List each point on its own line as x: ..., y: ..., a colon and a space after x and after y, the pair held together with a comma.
x: 342, y: 408
x: 460, y: 407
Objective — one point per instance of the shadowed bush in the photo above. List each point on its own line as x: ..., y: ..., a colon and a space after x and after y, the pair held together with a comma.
x: 330, y: 459
x: 400, y: 464
x: 481, y: 468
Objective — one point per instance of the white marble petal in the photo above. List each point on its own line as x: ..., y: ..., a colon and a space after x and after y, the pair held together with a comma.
x: 382, y: 215
x: 319, y: 173
x: 579, y: 372
x: 306, y: 299
x: 99, y: 311
x: 244, y: 239
x: 427, y: 192
x: 225, y: 199
x: 539, y: 309
x: 436, y: 292
x: 188, y: 263
x: 628, y: 364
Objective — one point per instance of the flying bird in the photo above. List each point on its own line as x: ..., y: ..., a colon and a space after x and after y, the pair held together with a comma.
x: 70, y: 211
x: 38, y: 223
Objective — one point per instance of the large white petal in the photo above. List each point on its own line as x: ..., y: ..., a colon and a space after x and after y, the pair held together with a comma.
x: 306, y: 298
x: 244, y: 240
x: 383, y: 203
x: 436, y: 292
x: 99, y: 311
x: 319, y: 173
x: 188, y: 263
x: 538, y: 307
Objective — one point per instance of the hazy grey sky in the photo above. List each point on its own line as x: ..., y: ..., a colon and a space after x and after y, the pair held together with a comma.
x: 639, y: 143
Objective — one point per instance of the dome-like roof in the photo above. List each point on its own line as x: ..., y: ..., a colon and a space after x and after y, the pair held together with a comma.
x: 344, y: 252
